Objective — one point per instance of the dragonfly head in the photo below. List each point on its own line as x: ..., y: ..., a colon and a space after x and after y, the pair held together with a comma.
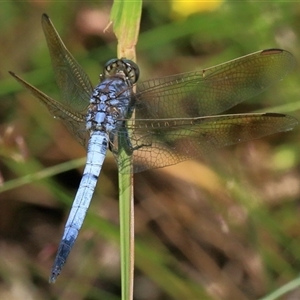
x: 122, y: 66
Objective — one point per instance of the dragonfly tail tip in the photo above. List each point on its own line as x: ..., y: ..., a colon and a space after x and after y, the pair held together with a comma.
x: 54, y: 273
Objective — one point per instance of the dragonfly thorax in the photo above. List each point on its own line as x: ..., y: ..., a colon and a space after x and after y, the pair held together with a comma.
x: 109, y: 104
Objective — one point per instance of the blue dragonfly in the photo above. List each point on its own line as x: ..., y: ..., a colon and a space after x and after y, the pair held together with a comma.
x: 175, y: 116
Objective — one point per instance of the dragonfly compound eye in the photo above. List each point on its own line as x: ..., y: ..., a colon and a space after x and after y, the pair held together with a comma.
x: 110, y: 67
x: 132, y: 70
x: 125, y: 66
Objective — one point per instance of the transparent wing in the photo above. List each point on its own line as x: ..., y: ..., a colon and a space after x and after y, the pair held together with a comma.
x: 213, y: 90
x: 74, y: 121
x: 73, y: 82
x: 166, y: 142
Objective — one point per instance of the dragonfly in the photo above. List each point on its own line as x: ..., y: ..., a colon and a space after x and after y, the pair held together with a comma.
x: 176, y: 117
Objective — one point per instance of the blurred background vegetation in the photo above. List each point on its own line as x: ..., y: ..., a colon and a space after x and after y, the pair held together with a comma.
x: 224, y: 227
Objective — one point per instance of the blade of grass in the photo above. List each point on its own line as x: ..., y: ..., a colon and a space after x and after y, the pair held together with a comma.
x: 292, y: 285
x: 125, y: 17
x: 42, y: 174
x: 30, y: 173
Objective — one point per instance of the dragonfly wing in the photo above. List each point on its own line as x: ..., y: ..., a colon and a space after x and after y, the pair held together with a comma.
x: 73, y: 82
x: 74, y: 121
x: 166, y: 142
x: 216, y: 89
